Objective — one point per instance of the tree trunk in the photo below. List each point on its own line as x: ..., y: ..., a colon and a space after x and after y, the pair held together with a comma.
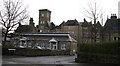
x: 95, y: 31
x: 5, y: 38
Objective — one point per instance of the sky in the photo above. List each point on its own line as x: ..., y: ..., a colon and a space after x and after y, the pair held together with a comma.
x: 63, y: 10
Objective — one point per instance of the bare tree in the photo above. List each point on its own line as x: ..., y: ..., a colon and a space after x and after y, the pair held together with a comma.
x: 95, y: 13
x: 11, y: 15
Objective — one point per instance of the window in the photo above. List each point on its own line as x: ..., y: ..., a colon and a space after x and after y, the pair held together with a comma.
x: 54, y: 47
x: 42, y: 15
x: 14, y: 44
x: 116, y: 38
x: 85, y: 28
x: 63, y: 47
x: 25, y: 44
x: 71, y: 28
x: 42, y: 22
x: 29, y: 44
x: 48, y: 46
x: 20, y: 43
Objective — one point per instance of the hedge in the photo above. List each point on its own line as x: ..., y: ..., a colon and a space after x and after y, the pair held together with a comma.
x: 103, y: 48
x: 105, y: 52
x: 36, y: 52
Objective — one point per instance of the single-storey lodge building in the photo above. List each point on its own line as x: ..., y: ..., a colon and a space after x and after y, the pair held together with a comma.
x: 52, y: 41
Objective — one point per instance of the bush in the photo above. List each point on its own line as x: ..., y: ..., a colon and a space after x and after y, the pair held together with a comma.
x: 106, y: 52
x: 38, y: 52
x: 35, y: 52
x: 102, y: 48
x: 32, y: 52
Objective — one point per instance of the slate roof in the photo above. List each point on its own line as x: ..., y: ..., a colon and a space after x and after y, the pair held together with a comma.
x: 24, y: 29
x: 98, y: 24
x: 62, y: 24
x: 52, y: 25
x: 59, y: 26
x: 86, y: 24
x: 112, y: 25
x: 71, y: 23
x: 52, y: 40
x: 49, y: 25
x: 48, y: 36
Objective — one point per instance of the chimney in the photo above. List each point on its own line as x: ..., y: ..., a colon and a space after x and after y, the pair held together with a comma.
x: 113, y: 16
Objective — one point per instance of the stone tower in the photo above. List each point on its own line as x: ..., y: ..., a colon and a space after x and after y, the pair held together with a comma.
x: 119, y: 9
x: 44, y: 20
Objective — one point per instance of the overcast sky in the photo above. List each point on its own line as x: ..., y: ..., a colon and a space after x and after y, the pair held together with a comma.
x: 63, y: 10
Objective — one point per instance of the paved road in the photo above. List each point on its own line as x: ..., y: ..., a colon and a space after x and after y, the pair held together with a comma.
x: 44, y: 61
x: 39, y: 60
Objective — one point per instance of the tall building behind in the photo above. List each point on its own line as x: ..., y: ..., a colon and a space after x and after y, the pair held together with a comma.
x: 44, y: 19
x: 119, y: 9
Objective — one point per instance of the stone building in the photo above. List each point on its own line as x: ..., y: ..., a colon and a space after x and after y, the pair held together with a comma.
x: 44, y: 20
x: 112, y: 29
x: 26, y: 28
x: 85, y: 32
x: 99, y: 32
x: 82, y: 31
x: 72, y: 27
x: 52, y: 41
x: 45, y: 24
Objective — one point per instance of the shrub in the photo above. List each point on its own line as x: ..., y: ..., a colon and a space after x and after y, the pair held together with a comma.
x: 35, y: 52
x: 102, y: 48
x: 38, y: 52
x: 32, y: 52
x: 105, y: 52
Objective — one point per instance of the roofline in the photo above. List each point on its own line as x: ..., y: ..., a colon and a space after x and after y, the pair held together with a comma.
x: 48, y: 34
x: 44, y: 10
